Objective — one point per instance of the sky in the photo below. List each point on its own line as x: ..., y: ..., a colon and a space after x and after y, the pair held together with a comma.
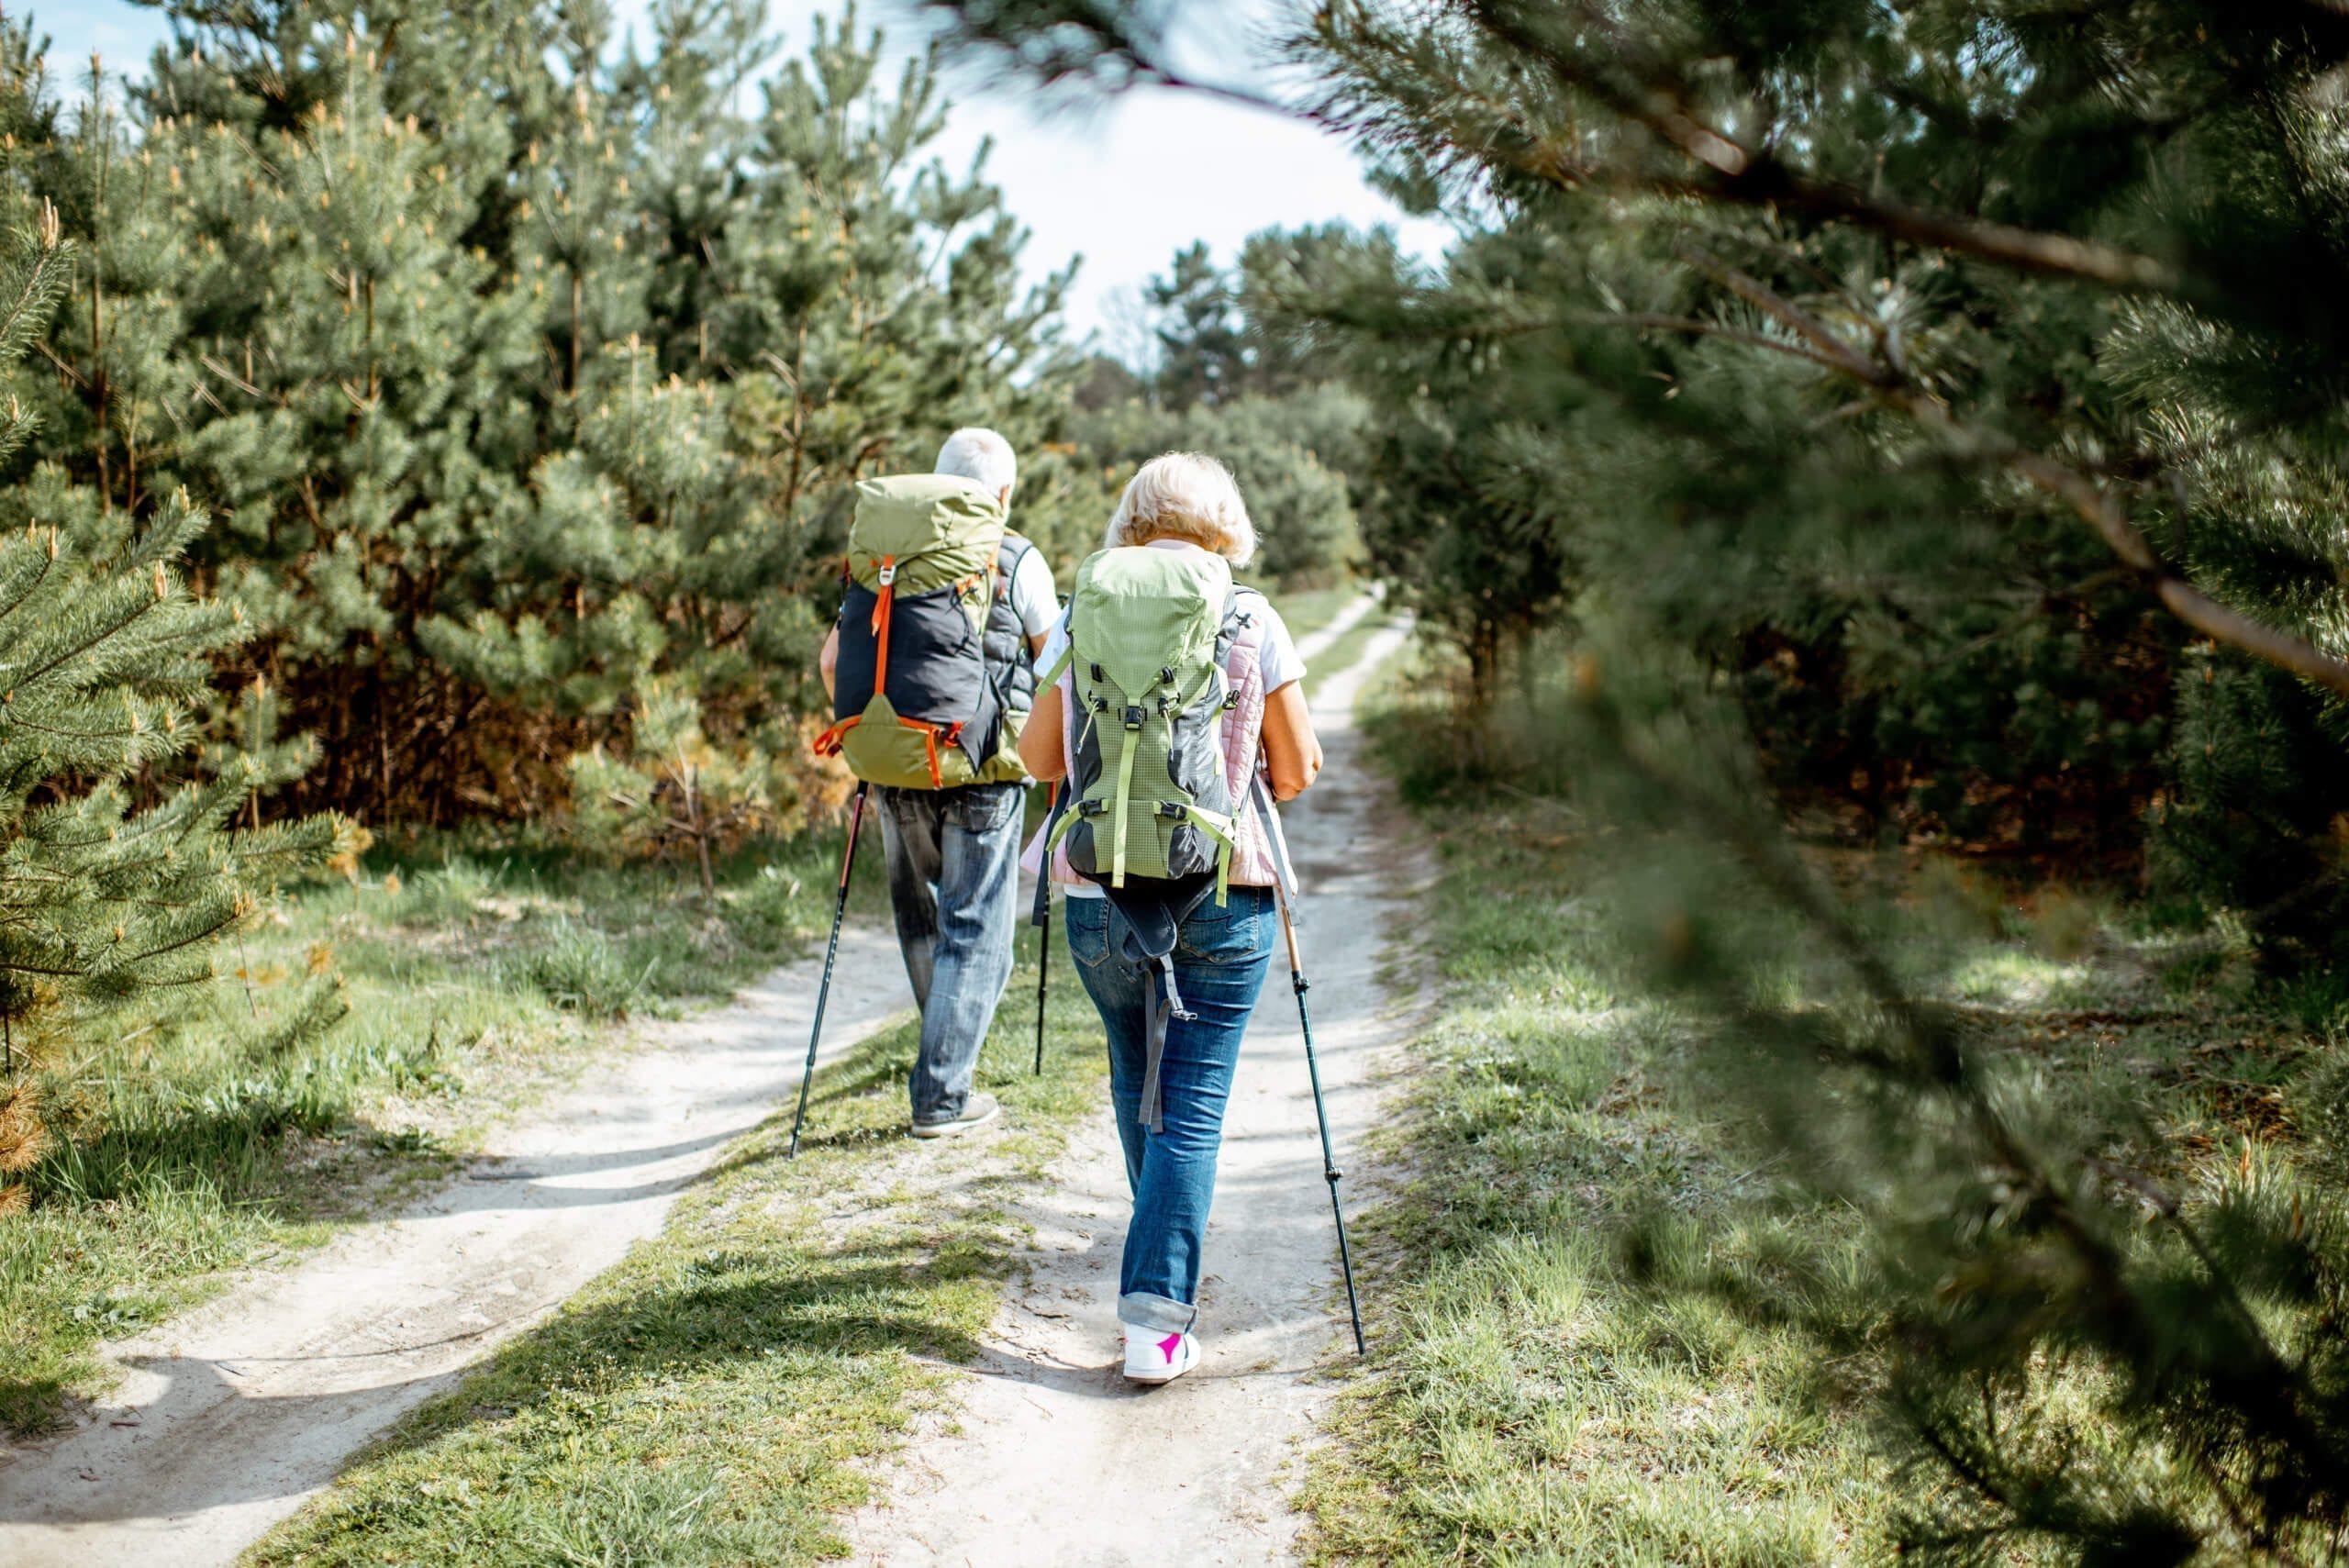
x: 1124, y: 184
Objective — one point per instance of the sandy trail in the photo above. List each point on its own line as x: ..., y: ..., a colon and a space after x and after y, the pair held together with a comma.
x: 232, y: 1415
x: 1059, y: 1462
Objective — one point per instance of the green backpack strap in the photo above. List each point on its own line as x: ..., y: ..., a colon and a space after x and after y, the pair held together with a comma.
x: 1060, y: 665
x: 1125, y: 788
x: 1225, y: 831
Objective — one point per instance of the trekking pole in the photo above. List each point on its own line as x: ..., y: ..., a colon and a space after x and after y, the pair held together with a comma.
x: 832, y: 951
x: 1043, y: 921
x: 1043, y: 962
x: 1321, y: 1115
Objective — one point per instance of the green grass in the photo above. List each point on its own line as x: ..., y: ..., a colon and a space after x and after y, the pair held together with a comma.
x: 1534, y: 1402
x: 1346, y: 652
x: 1607, y: 1330
x: 704, y: 1401
x: 191, y: 1143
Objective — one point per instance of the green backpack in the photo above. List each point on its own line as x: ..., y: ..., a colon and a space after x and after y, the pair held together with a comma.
x: 1149, y: 632
x: 917, y: 704
x: 1147, y: 812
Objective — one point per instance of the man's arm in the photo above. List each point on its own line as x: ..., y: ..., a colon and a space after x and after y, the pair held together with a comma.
x: 828, y: 661
x: 1035, y: 598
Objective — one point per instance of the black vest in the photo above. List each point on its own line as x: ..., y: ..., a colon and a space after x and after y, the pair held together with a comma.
x: 1010, y: 661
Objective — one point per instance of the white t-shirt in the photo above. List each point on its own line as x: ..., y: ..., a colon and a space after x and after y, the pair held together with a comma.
x: 1276, y: 656
x: 1034, y: 599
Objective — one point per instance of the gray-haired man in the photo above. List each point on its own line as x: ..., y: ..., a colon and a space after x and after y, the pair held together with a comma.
x: 955, y: 853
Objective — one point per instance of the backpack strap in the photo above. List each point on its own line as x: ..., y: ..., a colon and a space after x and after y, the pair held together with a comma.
x: 1225, y: 831
x: 1133, y: 718
x: 1268, y: 817
x: 882, y: 605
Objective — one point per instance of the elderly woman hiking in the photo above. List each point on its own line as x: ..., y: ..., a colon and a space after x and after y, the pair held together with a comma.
x: 1179, y: 689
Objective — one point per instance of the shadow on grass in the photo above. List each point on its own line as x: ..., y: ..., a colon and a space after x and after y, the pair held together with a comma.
x: 713, y: 1392
x: 844, y: 1306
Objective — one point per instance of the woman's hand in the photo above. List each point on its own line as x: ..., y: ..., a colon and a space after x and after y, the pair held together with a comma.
x: 1041, y: 750
x: 1292, y: 751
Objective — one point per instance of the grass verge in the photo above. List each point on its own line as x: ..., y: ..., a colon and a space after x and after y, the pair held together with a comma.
x: 191, y: 1139
x: 707, y: 1400
x: 1347, y: 650
x: 1599, y: 1332
x: 1309, y: 610
x: 1533, y: 1404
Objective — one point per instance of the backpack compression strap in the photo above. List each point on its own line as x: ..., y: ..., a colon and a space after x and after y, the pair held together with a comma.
x: 883, y: 603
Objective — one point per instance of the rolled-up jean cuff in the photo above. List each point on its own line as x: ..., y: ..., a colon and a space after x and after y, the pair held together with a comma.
x: 1141, y: 1310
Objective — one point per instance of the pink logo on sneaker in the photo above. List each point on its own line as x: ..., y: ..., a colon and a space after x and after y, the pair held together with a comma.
x: 1169, y: 1345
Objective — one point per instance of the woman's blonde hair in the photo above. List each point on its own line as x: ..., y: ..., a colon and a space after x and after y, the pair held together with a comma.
x: 1185, y: 495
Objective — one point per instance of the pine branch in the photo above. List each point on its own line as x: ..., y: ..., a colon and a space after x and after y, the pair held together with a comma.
x: 1748, y: 177
x: 37, y: 286
x: 1934, y: 1064
x: 2101, y: 510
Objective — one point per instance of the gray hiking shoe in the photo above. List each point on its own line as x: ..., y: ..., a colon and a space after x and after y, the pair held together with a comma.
x: 978, y: 1111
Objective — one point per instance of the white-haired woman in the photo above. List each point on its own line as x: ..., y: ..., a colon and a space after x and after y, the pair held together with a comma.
x: 1184, y: 501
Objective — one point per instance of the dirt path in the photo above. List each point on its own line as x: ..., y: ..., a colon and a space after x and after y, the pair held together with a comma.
x: 230, y: 1416
x: 1350, y: 615
x: 1058, y: 1461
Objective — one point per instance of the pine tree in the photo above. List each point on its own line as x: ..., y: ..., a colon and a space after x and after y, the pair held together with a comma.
x: 671, y: 786
x: 1202, y: 357
x: 102, y: 898
x: 523, y: 375
x: 1237, y: 377
x: 1301, y: 507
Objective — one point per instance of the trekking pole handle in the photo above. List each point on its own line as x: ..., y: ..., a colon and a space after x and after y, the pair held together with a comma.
x: 1288, y: 929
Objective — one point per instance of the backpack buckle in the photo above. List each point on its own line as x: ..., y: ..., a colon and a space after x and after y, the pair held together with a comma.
x: 1093, y: 808
x: 1166, y: 675
x: 1232, y: 700
x: 888, y: 572
x: 1134, y: 717
x: 1172, y: 810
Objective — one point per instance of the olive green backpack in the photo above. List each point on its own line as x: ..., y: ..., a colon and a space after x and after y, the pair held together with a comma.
x: 917, y: 704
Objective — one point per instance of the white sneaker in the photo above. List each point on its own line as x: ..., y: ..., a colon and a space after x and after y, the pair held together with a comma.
x: 978, y: 1111
x: 1154, y: 1357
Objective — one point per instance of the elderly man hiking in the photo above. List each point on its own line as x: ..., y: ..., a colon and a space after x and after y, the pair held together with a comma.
x: 931, y: 670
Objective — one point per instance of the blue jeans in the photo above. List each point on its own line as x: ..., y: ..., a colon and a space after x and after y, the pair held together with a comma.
x: 1221, y: 956
x: 954, y: 885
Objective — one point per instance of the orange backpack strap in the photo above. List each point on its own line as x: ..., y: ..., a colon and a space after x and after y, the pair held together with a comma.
x: 882, y: 603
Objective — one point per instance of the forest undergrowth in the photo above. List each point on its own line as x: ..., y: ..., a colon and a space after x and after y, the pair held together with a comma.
x: 1611, y: 1326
